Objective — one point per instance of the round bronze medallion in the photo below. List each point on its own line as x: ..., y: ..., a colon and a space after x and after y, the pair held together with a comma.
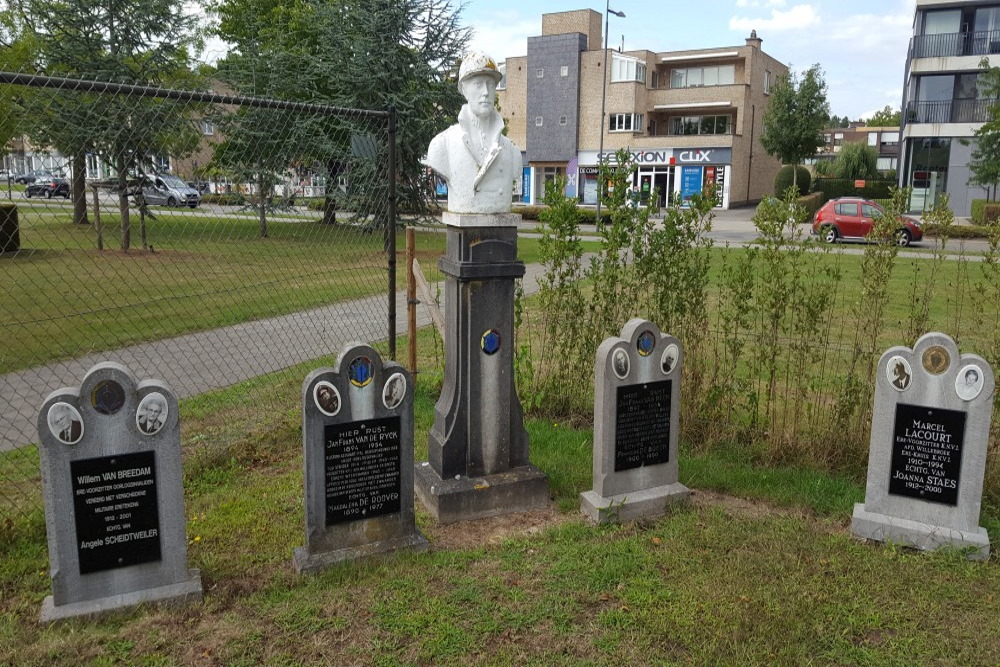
x: 936, y: 360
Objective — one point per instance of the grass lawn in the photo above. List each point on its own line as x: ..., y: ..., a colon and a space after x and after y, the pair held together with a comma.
x: 760, y: 568
x: 62, y: 298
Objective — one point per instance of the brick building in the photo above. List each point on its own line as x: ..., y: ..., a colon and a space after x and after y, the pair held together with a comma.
x: 885, y: 140
x: 688, y: 117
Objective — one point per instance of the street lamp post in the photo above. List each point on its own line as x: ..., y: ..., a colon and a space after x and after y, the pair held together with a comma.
x: 604, y: 97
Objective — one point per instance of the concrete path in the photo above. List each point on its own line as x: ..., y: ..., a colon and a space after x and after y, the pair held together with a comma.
x: 195, y: 363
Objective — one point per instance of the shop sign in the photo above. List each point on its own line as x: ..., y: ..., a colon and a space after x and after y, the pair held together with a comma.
x: 705, y: 156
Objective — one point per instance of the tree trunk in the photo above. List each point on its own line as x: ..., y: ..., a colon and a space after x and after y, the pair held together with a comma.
x: 79, y: 189
x: 123, y: 201
x: 795, y: 177
x: 329, y: 203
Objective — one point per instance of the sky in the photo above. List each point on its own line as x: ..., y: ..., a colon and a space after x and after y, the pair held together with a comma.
x: 859, y: 44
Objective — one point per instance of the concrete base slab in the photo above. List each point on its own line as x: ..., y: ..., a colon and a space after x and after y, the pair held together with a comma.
x: 449, y: 500
x: 306, y: 563
x: 883, y: 528
x: 181, y: 593
x: 634, y: 505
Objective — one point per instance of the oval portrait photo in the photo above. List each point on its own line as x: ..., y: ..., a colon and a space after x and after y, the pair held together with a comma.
x: 898, y: 373
x: 152, y: 413
x: 669, y: 358
x: 969, y: 382
x: 327, y: 398
x: 620, y: 363
x: 395, y: 391
x: 65, y: 423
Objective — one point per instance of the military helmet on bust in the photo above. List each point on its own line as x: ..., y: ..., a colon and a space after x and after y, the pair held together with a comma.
x: 475, y: 63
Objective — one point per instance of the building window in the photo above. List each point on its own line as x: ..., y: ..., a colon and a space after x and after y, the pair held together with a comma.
x: 767, y: 82
x: 838, y: 139
x: 696, y: 77
x: 538, y: 121
x: 207, y: 128
x: 627, y: 69
x: 652, y: 128
x: 625, y: 122
x: 539, y: 72
x: 687, y: 125
x: 564, y: 70
x: 563, y: 120
x: 503, y: 76
x: 654, y: 81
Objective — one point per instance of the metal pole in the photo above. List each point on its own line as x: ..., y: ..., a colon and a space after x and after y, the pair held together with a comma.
x: 604, y: 97
x: 411, y: 299
x: 390, y: 232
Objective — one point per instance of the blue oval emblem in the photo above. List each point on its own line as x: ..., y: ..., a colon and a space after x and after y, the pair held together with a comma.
x: 646, y: 343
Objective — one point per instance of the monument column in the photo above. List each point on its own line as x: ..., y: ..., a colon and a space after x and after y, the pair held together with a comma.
x: 478, y: 449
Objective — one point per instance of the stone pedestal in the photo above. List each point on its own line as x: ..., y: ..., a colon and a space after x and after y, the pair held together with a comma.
x: 478, y: 448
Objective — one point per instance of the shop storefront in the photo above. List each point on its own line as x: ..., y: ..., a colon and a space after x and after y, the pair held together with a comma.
x: 669, y: 174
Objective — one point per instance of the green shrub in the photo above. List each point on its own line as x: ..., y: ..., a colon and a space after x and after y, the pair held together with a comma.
x: 834, y: 188
x: 528, y: 212
x: 812, y: 202
x: 977, y: 210
x: 783, y: 180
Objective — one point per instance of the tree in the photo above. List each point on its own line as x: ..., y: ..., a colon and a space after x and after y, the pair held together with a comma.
x: 887, y: 117
x: 362, y: 54
x: 985, y: 162
x: 142, y: 42
x: 797, y: 112
x: 856, y: 161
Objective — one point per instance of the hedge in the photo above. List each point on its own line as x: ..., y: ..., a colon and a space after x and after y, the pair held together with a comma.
x: 834, y: 188
x: 224, y: 198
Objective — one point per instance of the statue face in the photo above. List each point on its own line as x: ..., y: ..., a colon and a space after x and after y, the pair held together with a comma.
x: 480, y: 91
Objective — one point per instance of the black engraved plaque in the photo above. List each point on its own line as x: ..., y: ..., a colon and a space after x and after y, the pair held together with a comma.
x: 927, y: 453
x: 642, y: 424
x: 362, y: 469
x: 117, y: 514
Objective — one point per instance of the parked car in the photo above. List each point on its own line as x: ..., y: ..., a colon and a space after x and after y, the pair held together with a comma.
x: 169, y: 190
x: 48, y: 188
x: 32, y: 176
x: 851, y: 218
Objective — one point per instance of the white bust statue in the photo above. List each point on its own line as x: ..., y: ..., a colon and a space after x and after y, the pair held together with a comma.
x: 478, y: 163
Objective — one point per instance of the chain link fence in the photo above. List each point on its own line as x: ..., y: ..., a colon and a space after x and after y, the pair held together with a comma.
x: 196, y: 237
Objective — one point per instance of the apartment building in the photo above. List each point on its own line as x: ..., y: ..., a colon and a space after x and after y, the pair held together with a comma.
x: 688, y: 117
x: 942, y: 106
x: 885, y: 140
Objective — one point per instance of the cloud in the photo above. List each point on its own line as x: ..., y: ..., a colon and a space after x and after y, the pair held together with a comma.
x: 506, y: 37
x: 795, y: 18
x: 760, y: 3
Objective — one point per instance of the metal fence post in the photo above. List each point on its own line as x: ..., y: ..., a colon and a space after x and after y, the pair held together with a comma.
x: 390, y: 231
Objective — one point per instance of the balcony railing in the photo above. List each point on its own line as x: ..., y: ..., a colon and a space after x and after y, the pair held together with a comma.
x: 949, y: 111
x: 956, y: 44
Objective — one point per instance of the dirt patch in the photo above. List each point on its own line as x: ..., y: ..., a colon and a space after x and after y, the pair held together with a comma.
x: 493, y: 530
x: 758, y: 509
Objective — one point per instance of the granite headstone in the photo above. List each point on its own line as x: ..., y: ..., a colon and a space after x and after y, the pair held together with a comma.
x: 357, y: 442
x: 927, y: 457
x: 110, y: 455
x: 636, y: 408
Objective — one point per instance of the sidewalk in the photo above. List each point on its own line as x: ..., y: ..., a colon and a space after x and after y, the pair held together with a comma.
x: 195, y: 363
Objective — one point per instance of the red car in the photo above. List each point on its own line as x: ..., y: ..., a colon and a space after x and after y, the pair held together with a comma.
x: 851, y: 218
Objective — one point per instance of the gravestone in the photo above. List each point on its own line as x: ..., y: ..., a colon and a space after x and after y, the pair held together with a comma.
x: 636, y: 408
x: 110, y: 455
x: 357, y: 443
x: 927, y: 456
